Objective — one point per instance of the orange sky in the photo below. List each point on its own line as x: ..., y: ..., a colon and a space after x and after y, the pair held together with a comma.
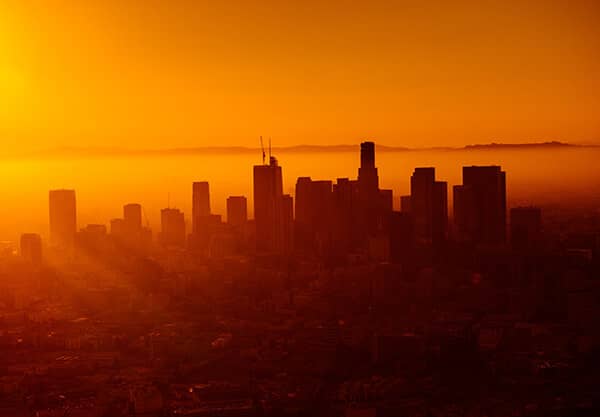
x: 154, y: 74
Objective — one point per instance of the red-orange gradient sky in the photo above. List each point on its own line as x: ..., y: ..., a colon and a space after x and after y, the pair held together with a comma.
x: 155, y: 74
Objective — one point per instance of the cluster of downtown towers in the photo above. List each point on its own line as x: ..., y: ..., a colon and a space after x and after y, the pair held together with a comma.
x: 348, y: 216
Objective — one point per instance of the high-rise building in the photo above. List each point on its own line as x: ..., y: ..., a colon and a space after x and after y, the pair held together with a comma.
x: 439, y: 229
x: 200, y: 206
x: 368, y: 178
x: 346, y: 234
x: 287, y: 224
x: 63, y: 217
x: 480, y: 205
x: 132, y: 217
x: 371, y: 215
x: 405, y: 204
x: 237, y: 210
x: 117, y: 228
x: 172, y: 223
x: 429, y: 206
x: 525, y: 227
x: 314, y: 214
x: 268, y: 207
x: 31, y: 248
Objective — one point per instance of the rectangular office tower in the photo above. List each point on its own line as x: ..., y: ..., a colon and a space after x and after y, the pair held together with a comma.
x: 314, y: 214
x: 237, y: 210
x: 132, y: 217
x: 63, y: 217
x: 31, y: 248
x: 271, y: 210
x: 172, y: 227
x: 480, y: 206
x: 429, y: 206
x: 200, y: 206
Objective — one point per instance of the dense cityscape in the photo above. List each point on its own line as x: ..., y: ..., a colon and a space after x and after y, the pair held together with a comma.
x: 327, y: 303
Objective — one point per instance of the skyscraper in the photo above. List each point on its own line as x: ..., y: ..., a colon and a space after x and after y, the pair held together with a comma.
x: 369, y: 218
x: 132, y: 217
x: 237, y: 210
x: 31, y: 248
x: 172, y: 223
x: 268, y: 207
x: 428, y: 206
x: 63, y: 217
x: 480, y: 205
x: 200, y: 206
x: 368, y: 178
x: 314, y: 214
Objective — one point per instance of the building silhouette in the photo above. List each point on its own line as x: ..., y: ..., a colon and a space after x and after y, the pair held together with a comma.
x: 132, y: 217
x: 172, y: 225
x: 271, y: 213
x: 63, y: 217
x: 480, y: 206
x: 200, y: 206
x: 31, y: 248
x: 346, y: 234
x: 428, y: 206
x: 314, y: 214
x: 237, y: 210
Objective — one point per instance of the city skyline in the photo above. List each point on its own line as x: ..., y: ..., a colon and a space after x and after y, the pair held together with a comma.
x: 299, y: 208
x: 324, y: 211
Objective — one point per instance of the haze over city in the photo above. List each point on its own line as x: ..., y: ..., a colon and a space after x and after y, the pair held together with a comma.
x: 320, y: 209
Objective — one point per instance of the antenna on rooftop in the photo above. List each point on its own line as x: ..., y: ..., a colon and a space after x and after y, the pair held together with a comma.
x: 269, y: 149
x: 262, y: 148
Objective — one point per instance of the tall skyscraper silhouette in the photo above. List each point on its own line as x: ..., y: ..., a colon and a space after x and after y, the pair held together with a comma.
x: 269, y: 215
x: 480, y: 205
x: 237, y: 210
x: 63, y: 217
x: 132, y: 217
x: 428, y: 206
x: 200, y: 206
x: 314, y: 214
x: 172, y: 223
x: 31, y: 248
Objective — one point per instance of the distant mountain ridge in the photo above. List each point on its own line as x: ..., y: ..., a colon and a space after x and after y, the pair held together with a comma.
x: 108, y: 152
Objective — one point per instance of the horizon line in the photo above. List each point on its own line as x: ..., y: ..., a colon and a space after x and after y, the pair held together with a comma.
x: 108, y: 151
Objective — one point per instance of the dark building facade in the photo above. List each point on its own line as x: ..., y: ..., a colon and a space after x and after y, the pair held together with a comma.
x: 237, y: 210
x: 172, y: 227
x: 31, y: 248
x: 314, y: 214
x: 480, y: 206
x: 63, y: 217
x: 270, y: 210
x: 429, y: 206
